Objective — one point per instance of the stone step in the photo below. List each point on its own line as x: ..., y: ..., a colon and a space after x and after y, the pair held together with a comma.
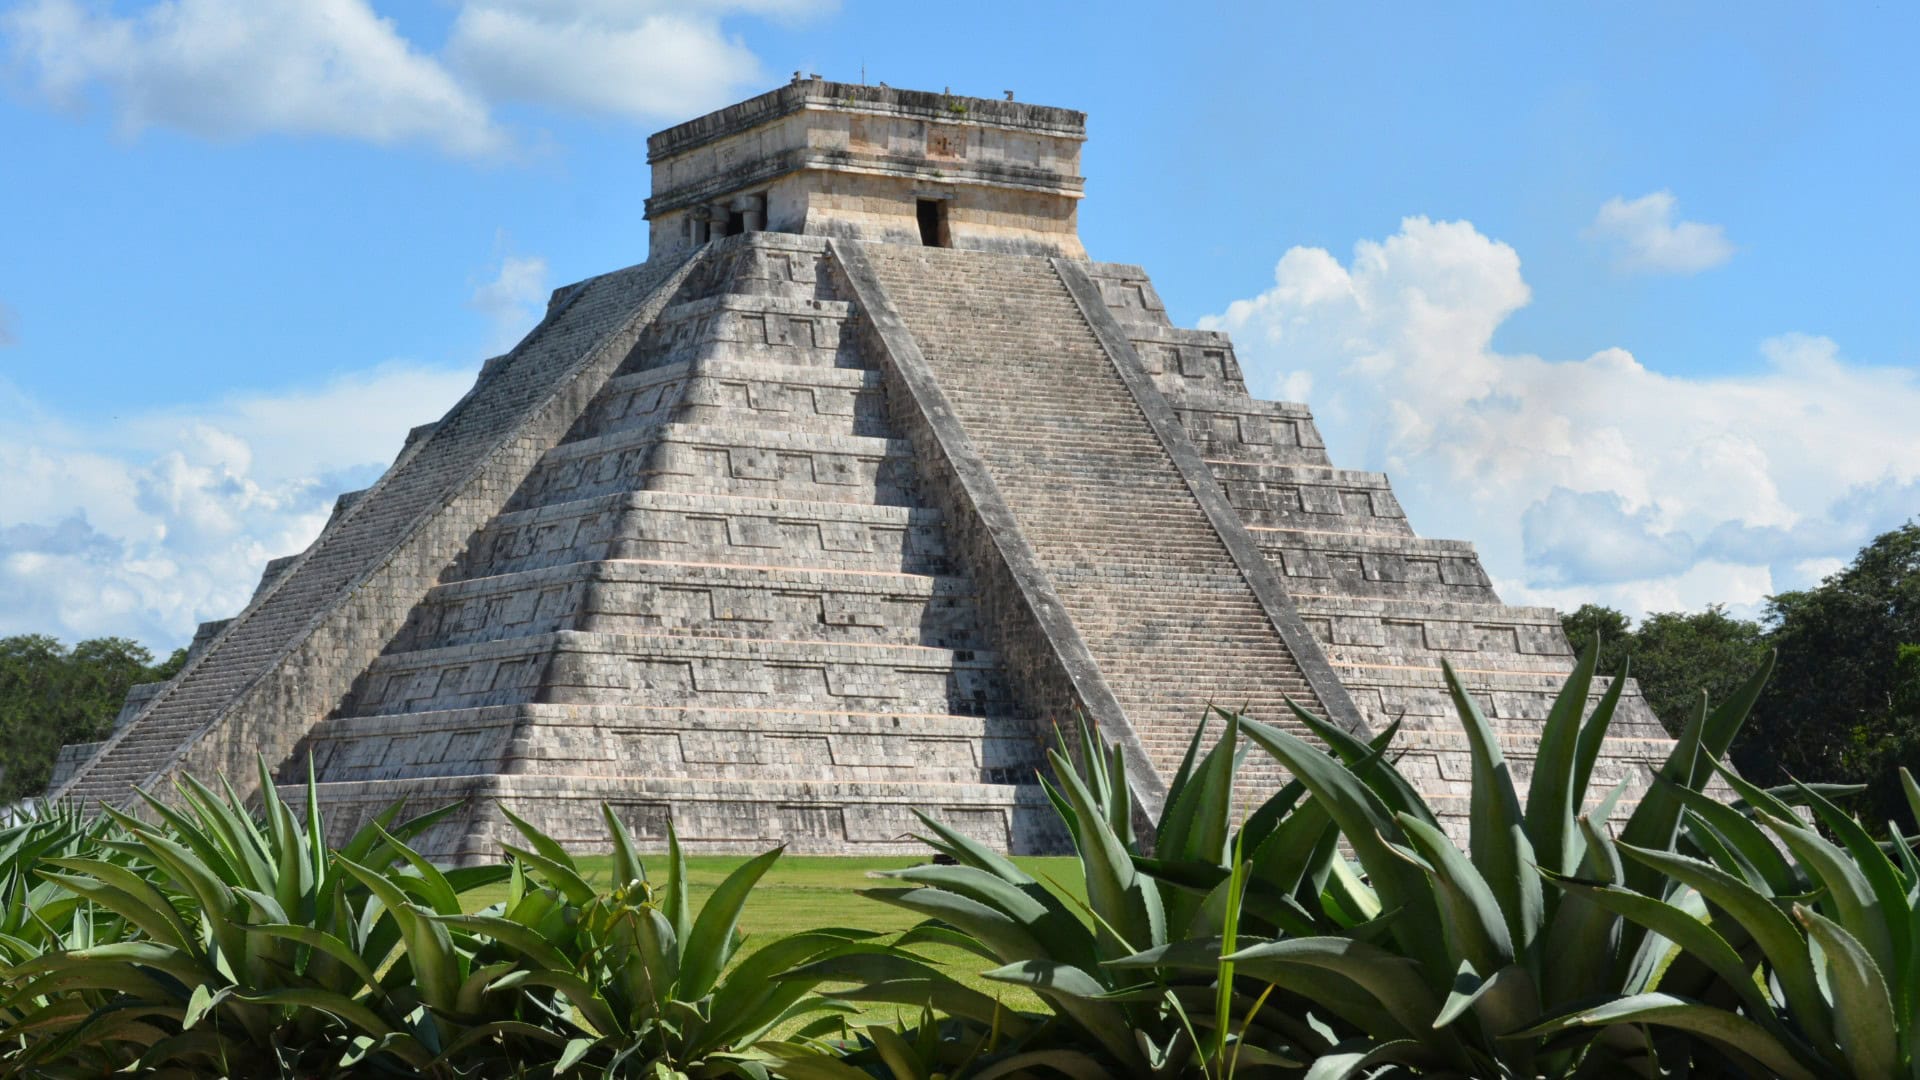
x: 644, y: 669
x: 695, y: 527
x: 789, y: 330
x: 705, y: 599
x: 689, y: 740
x: 693, y: 458
x: 708, y: 816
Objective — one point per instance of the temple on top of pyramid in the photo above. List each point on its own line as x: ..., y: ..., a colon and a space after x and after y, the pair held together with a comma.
x: 834, y: 510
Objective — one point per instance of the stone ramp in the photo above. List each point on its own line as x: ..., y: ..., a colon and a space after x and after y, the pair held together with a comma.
x: 284, y: 661
x: 1145, y: 576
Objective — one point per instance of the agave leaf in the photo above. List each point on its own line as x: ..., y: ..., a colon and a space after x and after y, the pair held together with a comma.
x: 1593, y: 734
x: 1195, y: 823
x: 431, y: 885
x: 1075, y: 993
x: 1006, y: 937
x: 967, y: 851
x: 676, y: 907
x: 1862, y: 1009
x: 293, y: 881
x: 1691, y: 934
x: 1476, y: 928
x: 1756, y: 852
x: 627, y: 867
x: 1852, y: 896
x: 1499, y: 845
x: 1368, y: 826
x: 1726, y: 1030
x: 709, y: 945
x: 1394, y: 981
x: 561, y: 875
x: 901, y: 979
x: 127, y: 894
x: 1367, y: 760
x: 436, y: 968
x: 1656, y: 821
x: 323, y: 942
x: 1551, y: 810
x: 1358, y: 1057
x: 1127, y: 907
x: 933, y: 933
x: 1070, y: 1063
x: 522, y: 939
x: 1785, y: 949
x: 578, y: 992
x: 546, y: 845
x: 1577, y: 957
x: 1181, y: 776
x: 758, y: 991
x: 1881, y: 875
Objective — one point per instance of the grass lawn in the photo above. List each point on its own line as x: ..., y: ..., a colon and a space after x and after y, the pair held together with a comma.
x: 807, y: 892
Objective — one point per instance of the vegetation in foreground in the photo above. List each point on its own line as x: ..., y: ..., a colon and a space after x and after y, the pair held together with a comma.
x: 1335, y: 930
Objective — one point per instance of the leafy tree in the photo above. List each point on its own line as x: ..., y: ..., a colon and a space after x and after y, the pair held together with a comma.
x: 1831, y: 704
x: 51, y: 695
x: 1675, y: 654
x: 1610, y: 625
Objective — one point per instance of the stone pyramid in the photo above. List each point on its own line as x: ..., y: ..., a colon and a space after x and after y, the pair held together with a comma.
x: 829, y: 512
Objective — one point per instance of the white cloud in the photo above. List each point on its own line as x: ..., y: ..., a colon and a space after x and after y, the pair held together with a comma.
x: 646, y: 60
x: 1590, y: 478
x: 235, y: 68
x: 513, y: 300
x: 238, y: 68
x: 1645, y: 237
x: 145, y: 525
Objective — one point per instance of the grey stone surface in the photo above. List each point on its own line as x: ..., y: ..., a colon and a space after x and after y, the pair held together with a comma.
x: 803, y: 526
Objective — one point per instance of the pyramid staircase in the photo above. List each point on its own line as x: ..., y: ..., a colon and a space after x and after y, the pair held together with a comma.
x: 719, y: 600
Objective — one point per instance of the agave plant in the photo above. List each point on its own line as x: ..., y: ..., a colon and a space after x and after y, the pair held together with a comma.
x: 933, y: 1049
x: 1107, y: 1020
x: 1472, y: 950
x: 633, y: 980
x: 1832, y: 925
x: 237, y: 946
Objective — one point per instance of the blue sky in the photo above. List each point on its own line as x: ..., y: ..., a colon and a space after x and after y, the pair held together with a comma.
x: 1623, y: 293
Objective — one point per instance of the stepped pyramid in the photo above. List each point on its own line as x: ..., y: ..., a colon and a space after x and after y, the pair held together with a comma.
x: 829, y: 512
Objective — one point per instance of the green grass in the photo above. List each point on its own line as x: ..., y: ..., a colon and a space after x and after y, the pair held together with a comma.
x: 809, y: 892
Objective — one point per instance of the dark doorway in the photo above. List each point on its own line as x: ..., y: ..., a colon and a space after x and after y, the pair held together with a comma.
x: 933, y: 222
x: 736, y: 222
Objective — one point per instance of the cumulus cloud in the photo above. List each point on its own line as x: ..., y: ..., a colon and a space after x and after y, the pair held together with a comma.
x: 148, y: 524
x: 1592, y: 478
x: 1645, y: 237
x: 513, y: 299
x: 235, y: 68
x: 618, y: 58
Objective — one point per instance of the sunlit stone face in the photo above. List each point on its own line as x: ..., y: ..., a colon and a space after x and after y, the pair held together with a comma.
x: 872, y: 163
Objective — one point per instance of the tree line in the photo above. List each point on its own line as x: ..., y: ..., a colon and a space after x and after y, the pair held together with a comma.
x: 1844, y: 702
x: 51, y: 695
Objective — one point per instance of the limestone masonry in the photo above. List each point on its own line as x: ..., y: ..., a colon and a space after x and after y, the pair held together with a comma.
x: 829, y: 512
